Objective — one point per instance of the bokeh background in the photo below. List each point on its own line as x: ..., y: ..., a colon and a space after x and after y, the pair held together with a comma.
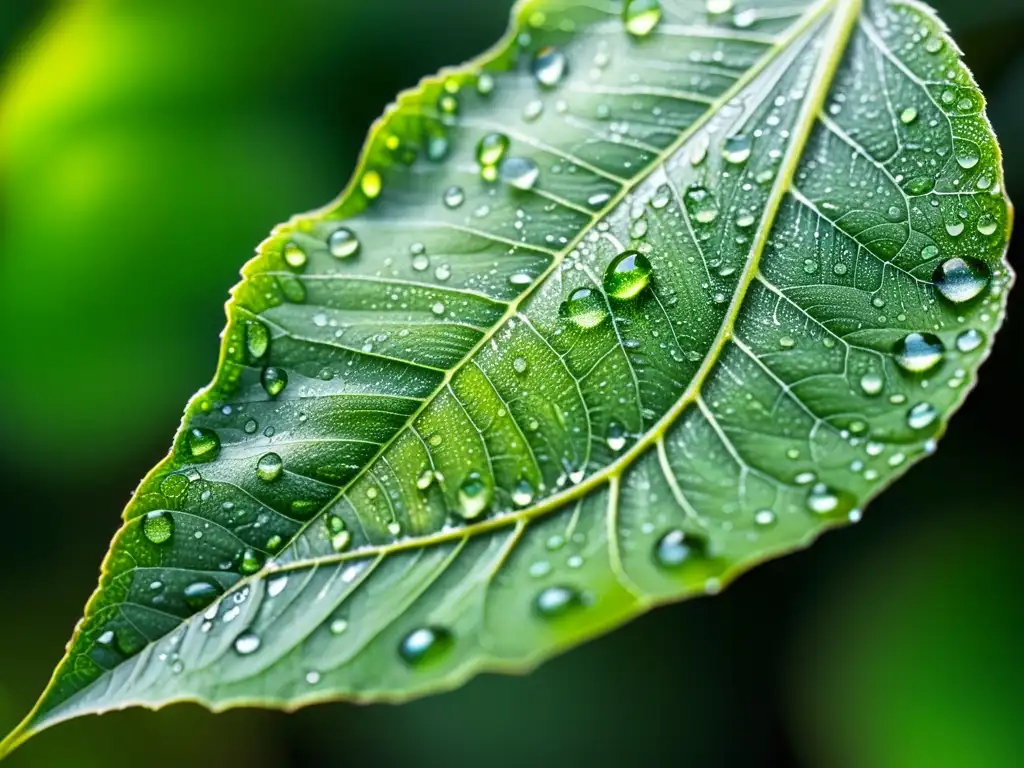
x: 146, y: 147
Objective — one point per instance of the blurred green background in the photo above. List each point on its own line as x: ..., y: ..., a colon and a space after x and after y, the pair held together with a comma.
x: 147, y: 147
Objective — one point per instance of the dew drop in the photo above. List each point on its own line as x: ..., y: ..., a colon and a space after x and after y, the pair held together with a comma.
x: 200, y: 594
x: 522, y: 494
x: 269, y: 467
x: 765, y: 518
x: 474, y: 496
x: 252, y: 561
x: 425, y: 645
x: 203, y: 443
x: 550, y: 66
x: 157, y: 526
x: 519, y: 365
x: 338, y: 626
x: 969, y: 340
x: 822, y: 499
x: 737, y: 149
x: 961, y: 279
x: 908, y: 115
x: 371, y: 184
x: 627, y: 275
x: 716, y: 7
x: 616, y: 437
x: 519, y: 172
x: 584, y: 307
x: 871, y: 384
x: 491, y: 149
x: 257, y: 338
x: 987, y: 225
x: 641, y: 16
x: 454, y: 197
x: 343, y: 243
x: 247, y: 643
x: 557, y: 601
x: 921, y: 415
x: 701, y: 204
x: 677, y: 548
x: 274, y: 380
x: 294, y: 256
x: 918, y: 352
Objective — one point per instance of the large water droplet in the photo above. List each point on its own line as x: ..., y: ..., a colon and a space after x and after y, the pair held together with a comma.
x: 701, y: 204
x: 627, y: 275
x: 557, y: 601
x: 871, y: 383
x: 969, y: 340
x: 474, y: 496
x: 822, y: 499
x: 343, y: 243
x: 550, y: 66
x: 158, y: 526
x: 425, y: 645
x: 200, y: 594
x: 246, y: 643
x: 522, y: 494
x: 274, y: 380
x: 252, y: 561
x: 269, y: 467
x: 294, y: 256
x: 641, y: 16
x: 454, y: 197
x: 961, y: 279
x: 676, y: 548
x: 918, y: 352
x: 203, y: 443
x: 491, y: 149
x: 519, y: 172
x: 616, y: 437
x: 584, y: 307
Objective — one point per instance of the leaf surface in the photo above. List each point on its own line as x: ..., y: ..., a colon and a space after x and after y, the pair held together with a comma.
x: 635, y: 301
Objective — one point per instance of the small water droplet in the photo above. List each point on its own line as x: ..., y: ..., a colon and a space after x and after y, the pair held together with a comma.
x: 338, y: 626
x: 269, y: 467
x: 969, y: 340
x: 519, y: 365
x: 961, y: 279
x: 425, y: 645
x: 627, y: 275
x: 203, y: 443
x: 294, y: 256
x: 908, y: 115
x: 371, y: 184
x: 491, y: 149
x: 474, y: 496
x: 557, y: 601
x: 676, y: 548
x: 701, y: 204
x: 765, y: 518
x: 918, y: 352
x: 454, y: 196
x: 257, y: 338
x: 616, y: 437
x: 519, y: 172
x: 871, y: 383
x: 246, y: 643
x: 549, y: 66
x: 737, y: 149
x: 157, y: 526
x: 641, y: 16
x: 584, y: 307
x: 921, y: 415
x: 822, y: 499
x: 200, y: 594
x: 715, y: 7
x: 522, y: 494
x: 274, y: 380
x: 987, y: 225
x: 252, y: 561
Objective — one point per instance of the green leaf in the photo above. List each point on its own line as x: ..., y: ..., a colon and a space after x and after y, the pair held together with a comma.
x: 632, y: 303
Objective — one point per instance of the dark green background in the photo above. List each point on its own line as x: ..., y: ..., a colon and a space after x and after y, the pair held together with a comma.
x: 147, y: 147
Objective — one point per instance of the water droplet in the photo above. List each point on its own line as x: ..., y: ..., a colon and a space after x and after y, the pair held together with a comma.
x: 200, y: 594
x: 312, y: 677
x: 269, y: 467
x: 822, y: 499
x: 485, y: 84
x: 157, y: 526
x: 550, y: 66
x: 274, y: 380
x: 454, y: 197
x: 276, y: 585
x: 519, y: 172
x: 641, y: 16
x: 908, y: 115
x: 257, y: 338
x: 584, y: 307
x: 203, y: 443
x: 871, y: 383
x: 764, y: 518
x: 716, y: 7
x: 616, y: 437
x: 969, y: 340
x: 294, y: 256
x: 425, y: 645
x: 252, y: 561
x: 921, y: 415
x: 961, y: 279
x: 701, y: 204
x: 737, y: 149
x: 918, y: 352
x: 371, y: 184
x: 627, y: 275
x: 491, y: 149
x: 677, y: 547
x: 968, y: 159
x: 519, y: 365
x: 557, y: 601
x: 338, y: 626
x: 955, y: 228
x: 987, y: 225
x: 522, y: 494
x: 474, y: 496
x: 246, y: 643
